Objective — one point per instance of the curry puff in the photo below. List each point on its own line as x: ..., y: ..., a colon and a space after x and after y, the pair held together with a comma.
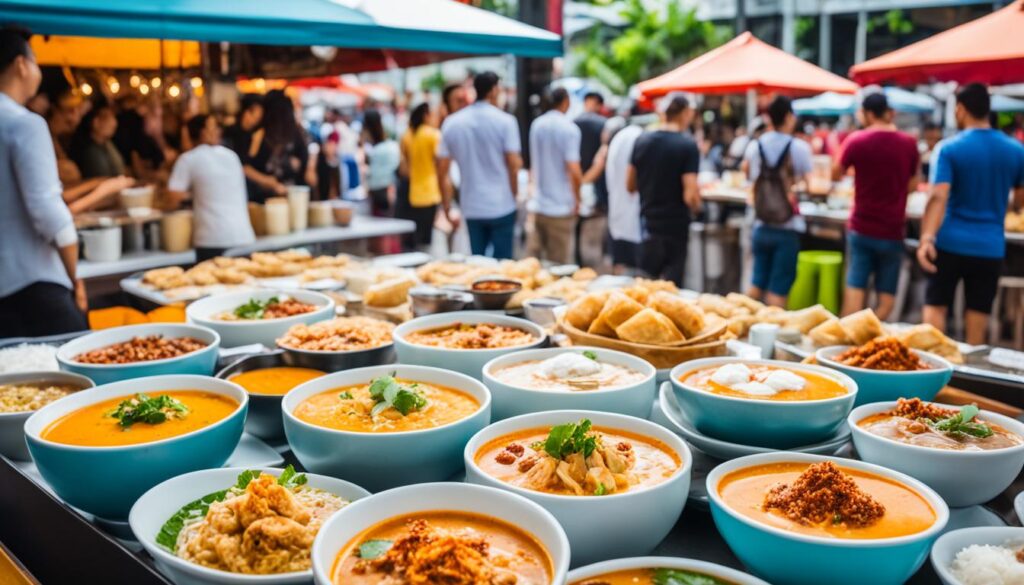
x: 649, y: 327
x: 616, y: 311
x: 686, y: 316
x: 862, y: 326
x: 829, y: 333
x: 389, y: 293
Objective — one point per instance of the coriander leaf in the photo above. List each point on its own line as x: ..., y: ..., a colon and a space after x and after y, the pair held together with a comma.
x: 290, y: 478
x: 590, y: 355
x: 168, y: 535
x: 406, y: 401
x: 245, y: 478
x: 601, y: 490
x: 961, y: 423
x: 570, y: 438
x: 680, y: 577
x: 254, y: 308
x: 346, y: 395
x: 372, y: 549
x: 388, y: 393
x: 142, y: 408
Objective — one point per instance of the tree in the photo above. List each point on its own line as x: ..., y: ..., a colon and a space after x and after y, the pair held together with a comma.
x: 652, y: 42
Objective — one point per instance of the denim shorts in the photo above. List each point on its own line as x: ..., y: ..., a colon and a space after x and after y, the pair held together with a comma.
x: 775, y: 253
x: 868, y: 256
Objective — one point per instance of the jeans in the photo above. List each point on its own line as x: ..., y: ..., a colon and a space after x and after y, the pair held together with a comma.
x: 868, y: 256
x: 775, y: 254
x: 496, y: 234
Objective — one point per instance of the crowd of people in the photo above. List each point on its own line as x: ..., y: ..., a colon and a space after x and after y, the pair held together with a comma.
x: 620, y: 186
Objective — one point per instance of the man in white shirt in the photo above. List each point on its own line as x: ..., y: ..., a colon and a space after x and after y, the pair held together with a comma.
x: 484, y: 141
x: 212, y: 176
x: 623, y: 204
x: 38, y: 241
x: 555, y: 158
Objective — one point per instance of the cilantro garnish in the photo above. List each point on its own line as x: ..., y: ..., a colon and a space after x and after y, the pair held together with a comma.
x: 601, y: 490
x: 255, y: 308
x: 372, y: 549
x: 680, y: 577
x: 590, y: 355
x: 564, y: 440
x: 961, y: 423
x: 388, y: 393
x: 346, y: 395
x: 143, y: 409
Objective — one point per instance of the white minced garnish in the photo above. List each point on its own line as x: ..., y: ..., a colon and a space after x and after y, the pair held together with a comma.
x: 568, y: 365
x: 731, y: 375
x: 780, y: 380
x: 755, y: 388
x: 982, y: 564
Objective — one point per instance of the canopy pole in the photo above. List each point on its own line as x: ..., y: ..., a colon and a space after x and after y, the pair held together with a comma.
x: 751, y: 104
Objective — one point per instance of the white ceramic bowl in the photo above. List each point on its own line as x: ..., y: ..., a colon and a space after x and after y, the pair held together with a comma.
x: 157, y: 505
x: 264, y: 331
x: 106, y: 481
x: 702, y: 567
x: 952, y: 542
x: 12, y: 424
x: 379, y: 461
x: 781, y: 556
x: 467, y: 361
x: 353, y: 520
x: 633, y: 399
x: 640, y: 519
x: 962, y: 478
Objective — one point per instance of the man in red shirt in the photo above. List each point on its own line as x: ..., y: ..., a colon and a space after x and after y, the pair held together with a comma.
x: 885, y: 163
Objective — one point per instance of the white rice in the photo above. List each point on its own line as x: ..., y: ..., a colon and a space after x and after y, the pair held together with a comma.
x: 28, y: 358
x: 982, y: 564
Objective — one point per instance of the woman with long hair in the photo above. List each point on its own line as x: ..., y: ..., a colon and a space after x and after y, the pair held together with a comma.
x: 382, y: 158
x: 278, y: 154
x: 419, y: 166
x: 92, y: 147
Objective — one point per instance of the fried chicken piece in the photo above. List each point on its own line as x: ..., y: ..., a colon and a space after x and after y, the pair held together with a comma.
x: 264, y: 497
x: 276, y: 545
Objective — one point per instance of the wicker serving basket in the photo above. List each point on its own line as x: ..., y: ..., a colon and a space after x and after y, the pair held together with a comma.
x: 707, y: 343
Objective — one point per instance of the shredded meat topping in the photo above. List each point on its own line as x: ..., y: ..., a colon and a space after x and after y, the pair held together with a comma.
x: 914, y: 408
x: 516, y: 449
x: 884, y: 353
x: 823, y: 493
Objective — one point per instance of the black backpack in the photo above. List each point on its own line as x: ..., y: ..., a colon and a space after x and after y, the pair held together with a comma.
x: 772, y: 187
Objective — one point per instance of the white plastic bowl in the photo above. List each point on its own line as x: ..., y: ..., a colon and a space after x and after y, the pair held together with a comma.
x: 263, y: 331
x: 353, y: 520
x: 157, y: 505
x: 632, y: 399
x: 962, y: 478
x: 703, y: 567
x: 640, y: 519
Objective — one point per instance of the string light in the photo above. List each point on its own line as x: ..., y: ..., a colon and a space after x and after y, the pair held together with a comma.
x: 195, y: 82
x: 135, y: 81
x: 155, y: 82
x: 174, y: 91
x: 114, y: 85
x: 86, y: 89
x: 144, y: 89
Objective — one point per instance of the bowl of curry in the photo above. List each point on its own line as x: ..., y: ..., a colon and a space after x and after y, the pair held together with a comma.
x: 659, y: 571
x: 485, y: 536
x: 763, y: 403
x: 967, y: 455
x: 102, y: 448
x: 385, y: 426
x: 847, y: 522
x: 596, y: 472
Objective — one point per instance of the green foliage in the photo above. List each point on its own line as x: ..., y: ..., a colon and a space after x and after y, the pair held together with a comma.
x: 434, y: 82
x: 254, y: 308
x: 652, y: 42
x: 895, y: 22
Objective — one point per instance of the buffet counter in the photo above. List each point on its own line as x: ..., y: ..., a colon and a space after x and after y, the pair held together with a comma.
x: 362, y: 227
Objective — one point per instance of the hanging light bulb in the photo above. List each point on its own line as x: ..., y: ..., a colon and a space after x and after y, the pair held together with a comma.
x: 174, y: 91
x: 114, y: 85
x: 155, y: 82
x: 86, y: 89
x: 196, y: 82
x: 135, y: 80
x: 144, y: 89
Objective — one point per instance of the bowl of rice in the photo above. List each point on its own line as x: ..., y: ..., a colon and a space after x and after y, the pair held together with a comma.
x: 23, y: 393
x: 984, y: 555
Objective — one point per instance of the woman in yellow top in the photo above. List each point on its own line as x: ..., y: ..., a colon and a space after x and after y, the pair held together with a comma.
x: 418, y: 167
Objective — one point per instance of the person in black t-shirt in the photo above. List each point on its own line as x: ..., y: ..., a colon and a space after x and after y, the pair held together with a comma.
x: 663, y: 169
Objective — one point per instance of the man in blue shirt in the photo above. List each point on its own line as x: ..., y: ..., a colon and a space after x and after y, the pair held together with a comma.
x: 38, y: 241
x: 962, y: 231
x: 484, y: 141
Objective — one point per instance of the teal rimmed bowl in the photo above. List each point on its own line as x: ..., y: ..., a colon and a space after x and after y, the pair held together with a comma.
x: 200, y: 362
x: 777, y: 424
x: 106, y: 481
x: 883, y: 385
x: 781, y: 556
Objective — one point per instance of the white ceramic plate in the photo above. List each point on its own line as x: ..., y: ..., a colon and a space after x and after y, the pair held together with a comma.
x: 723, y: 449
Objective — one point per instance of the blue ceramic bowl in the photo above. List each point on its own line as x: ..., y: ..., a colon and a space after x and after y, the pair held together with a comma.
x: 201, y: 362
x: 883, y: 386
x: 759, y: 422
x: 106, y: 481
x: 633, y: 399
x: 783, y: 557
x: 466, y: 361
x: 379, y: 461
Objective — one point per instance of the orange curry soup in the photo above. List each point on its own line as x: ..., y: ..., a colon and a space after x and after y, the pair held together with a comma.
x: 818, y: 387
x: 334, y: 409
x: 511, y: 549
x: 640, y: 577
x: 274, y: 381
x: 655, y: 461
x: 94, y: 425
x: 906, y: 512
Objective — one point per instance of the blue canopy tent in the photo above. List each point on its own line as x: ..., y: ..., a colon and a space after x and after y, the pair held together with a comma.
x: 408, y: 25
x: 826, y: 104
x: 905, y: 101
x: 1005, y: 103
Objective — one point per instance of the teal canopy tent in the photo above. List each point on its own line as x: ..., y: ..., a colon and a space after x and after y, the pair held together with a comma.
x: 1005, y: 103
x: 826, y: 104
x: 409, y: 25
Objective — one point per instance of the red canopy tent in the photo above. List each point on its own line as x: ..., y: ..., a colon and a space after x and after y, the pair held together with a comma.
x: 747, y: 63
x: 987, y: 50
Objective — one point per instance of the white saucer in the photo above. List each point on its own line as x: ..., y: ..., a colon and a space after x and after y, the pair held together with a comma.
x: 725, y: 450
